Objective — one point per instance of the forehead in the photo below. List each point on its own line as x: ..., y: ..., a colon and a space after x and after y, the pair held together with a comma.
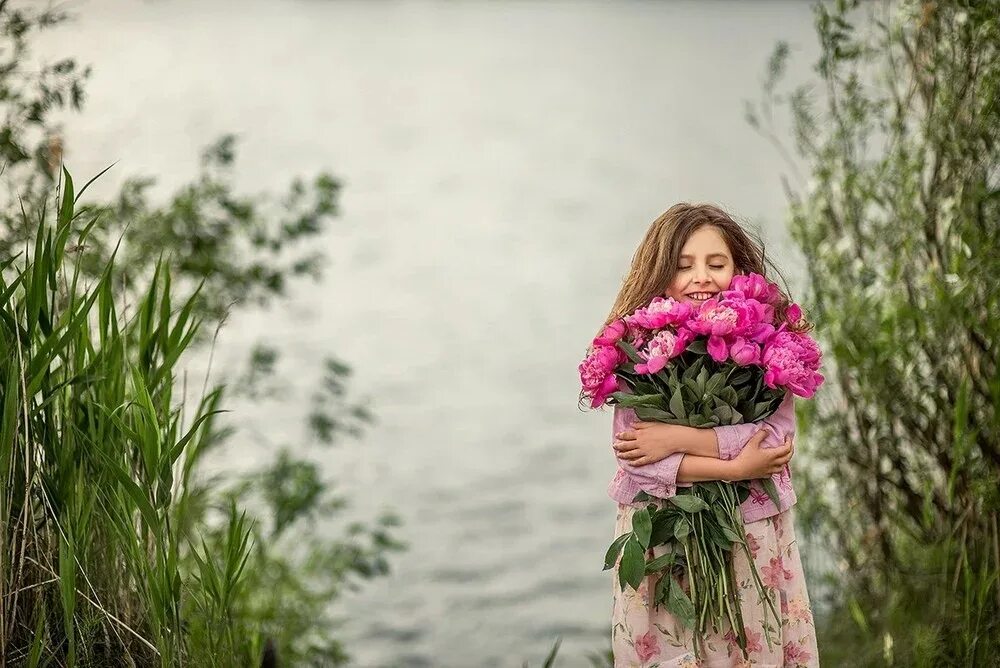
x: 705, y: 242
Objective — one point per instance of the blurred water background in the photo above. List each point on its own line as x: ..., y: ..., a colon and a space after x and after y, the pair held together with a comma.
x: 501, y: 161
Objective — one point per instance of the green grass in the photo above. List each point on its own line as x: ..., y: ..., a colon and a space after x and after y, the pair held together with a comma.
x: 96, y: 457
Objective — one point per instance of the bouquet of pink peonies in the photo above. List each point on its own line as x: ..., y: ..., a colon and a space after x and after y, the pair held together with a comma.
x: 724, y: 362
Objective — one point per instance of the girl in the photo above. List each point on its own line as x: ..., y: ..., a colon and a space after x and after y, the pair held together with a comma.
x: 690, y: 253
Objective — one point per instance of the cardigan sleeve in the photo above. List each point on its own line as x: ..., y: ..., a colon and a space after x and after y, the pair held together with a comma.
x: 658, y: 479
x: 732, y: 438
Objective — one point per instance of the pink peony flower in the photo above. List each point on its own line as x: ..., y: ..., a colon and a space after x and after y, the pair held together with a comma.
x: 744, y: 352
x: 795, y: 655
x: 611, y: 334
x: 793, y: 313
x: 600, y: 362
x: 663, y: 347
x: 608, y: 387
x: 717, y: 348
x: 755, y: 286
x: 597, y: 373
x: 722, y: 317
x: 659, y: 313
x: 714, y: 319
x: 646, y: 646
x: 791, y: 360
x: 762, y: 332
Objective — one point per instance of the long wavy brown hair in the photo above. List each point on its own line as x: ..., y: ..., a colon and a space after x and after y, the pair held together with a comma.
x: 657, y: 259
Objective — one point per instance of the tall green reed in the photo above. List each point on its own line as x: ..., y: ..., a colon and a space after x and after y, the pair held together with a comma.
x: 96, y: 458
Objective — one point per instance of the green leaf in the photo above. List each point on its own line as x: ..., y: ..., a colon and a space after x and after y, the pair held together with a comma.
x: 740, y: 378
x: 714, y: 532
x: 682, y: 529
x: 729, y: 395
x: 643, y: 387
x: 664, y: 521
x: 647, y: 413
x: 692, y: 371
x: 661, y: 562
x: 642, y: 526
x: 630, y: 351
x: 698, y: 347
x: 771, y: 490
x: 731, y: 535
x: 641, y: 496
x: 677, y: 404
x: 688, y: 503
x: 724, y: 413
x: 551, y: 658
x: 715, y: 383
x: 632, y: 566
x: 680, y: 604
x: 630, y: 400
x: 702, y: 381
x: 616, y: 547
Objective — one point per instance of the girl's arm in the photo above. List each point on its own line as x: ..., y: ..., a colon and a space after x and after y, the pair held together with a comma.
x: 752, y: 462
x: 693, y: 468
x: 702, y: 446
x: 732, y: 438
x: 658, y: 479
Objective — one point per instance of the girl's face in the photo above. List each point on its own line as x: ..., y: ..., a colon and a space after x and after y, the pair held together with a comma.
x: 706, y: 267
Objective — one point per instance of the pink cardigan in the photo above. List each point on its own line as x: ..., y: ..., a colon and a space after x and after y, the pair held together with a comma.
x: 660, y: 479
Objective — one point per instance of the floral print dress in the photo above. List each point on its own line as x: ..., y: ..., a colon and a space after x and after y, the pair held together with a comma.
x: 644, y: 637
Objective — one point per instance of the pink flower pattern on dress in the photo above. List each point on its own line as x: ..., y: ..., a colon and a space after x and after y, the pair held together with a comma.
x: 798, y: 610
x: 644, y: 636
x: 646, y: 646
x: 795, y: 655
x: 775, y: 573
x: 753, y: 642
x: 753, y: 545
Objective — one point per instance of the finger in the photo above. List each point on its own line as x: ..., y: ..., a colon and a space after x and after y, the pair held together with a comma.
x: 779, y: 451
x: 626, y: 436
x: 633, y: 454
x: 779, y: 462
x: 625, y: 446
x: 758, y: 438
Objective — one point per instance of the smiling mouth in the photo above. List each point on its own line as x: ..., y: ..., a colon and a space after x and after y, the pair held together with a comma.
x: 700, y: 296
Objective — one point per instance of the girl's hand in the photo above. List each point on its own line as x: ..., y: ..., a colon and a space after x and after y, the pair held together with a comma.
x: 646, y: 443
x: 756, y: 462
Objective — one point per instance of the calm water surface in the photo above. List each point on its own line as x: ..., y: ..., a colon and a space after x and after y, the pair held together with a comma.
x: 501, y: 162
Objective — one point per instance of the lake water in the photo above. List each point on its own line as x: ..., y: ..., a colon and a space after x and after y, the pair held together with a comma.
x: 501, y: 161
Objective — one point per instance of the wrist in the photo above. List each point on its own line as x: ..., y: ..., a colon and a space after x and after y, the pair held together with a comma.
x: 734, y: 469
x: 676, y: 440
x: 695, y: 441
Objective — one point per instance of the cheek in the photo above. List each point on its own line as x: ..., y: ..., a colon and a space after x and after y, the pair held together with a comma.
x: 675, y: 289
x: 725, y: 279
